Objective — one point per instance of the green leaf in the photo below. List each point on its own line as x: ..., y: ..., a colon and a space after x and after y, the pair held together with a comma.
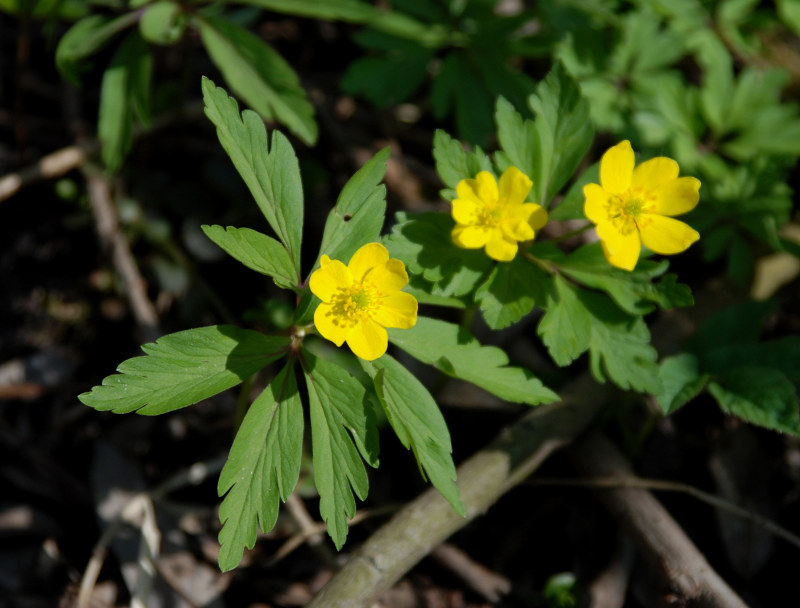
x: 565, y: 328
x: 635, y: 292
x: 359, y: 213
x: 510, y: 292
x: 257, y: 251
x: 782, y: 354
x: 271, y: 172
x: 84, y: 39
x: 760, y: 395
x: 259, y: 75
x: 340, y: 417
x: 454, y: 351
x: 619, y: 348
x: 131, y: 64
x: 549, y: 149
x: 162, y: 23
x: 681, y: 381
x: 737, y: 325
x: 454, y: 162
x: 424, y: 245
x: 406, y: 61
x: 619, y: 344
x: 263, y: 465
x: 418, y: 423
x: 183, y: 368
x: 571, y: 206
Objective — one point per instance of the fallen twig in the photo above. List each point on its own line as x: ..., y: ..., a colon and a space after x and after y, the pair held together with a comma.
x: 656, y: 534
x: 490, y: 585
x: 428, y: 520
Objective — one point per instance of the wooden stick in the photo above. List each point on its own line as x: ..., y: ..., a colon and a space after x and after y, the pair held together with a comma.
x: 428, y: 520
x: 656, y: 534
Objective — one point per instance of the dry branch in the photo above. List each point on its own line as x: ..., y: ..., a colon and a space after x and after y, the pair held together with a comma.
x: 655, y: 533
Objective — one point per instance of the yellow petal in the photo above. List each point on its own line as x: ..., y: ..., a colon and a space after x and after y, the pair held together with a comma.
x: 471, y: 237
x: 666, y: 235
x: 596, y: 205
x: 328, y: 278
x: 678, y: 196
x: 538, y: 215
x: 398, y: 309
x: 368, y: 340
x: 621, y: 250
x: 467, y: 189
x: 390, y: 276
x: 514, y: 185
x: 654, y: 173
x: 466, y: 211
x: 517, y: 229
x: 500, y: 248
x: 487, y: 187
x: 366, y: 258
x: 616, y: 168
x: 329, y: 325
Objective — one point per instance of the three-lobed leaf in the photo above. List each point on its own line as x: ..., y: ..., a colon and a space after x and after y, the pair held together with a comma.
x: 183, y: 368
x: 343, y: 432
x: 418, y: 423
x: 270, y: 169
x: 453, y: 350
x: 263, y: 465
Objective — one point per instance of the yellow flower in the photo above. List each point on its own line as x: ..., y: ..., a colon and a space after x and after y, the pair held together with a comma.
x: 633, y: 207
x: 496, y: 218
x: 361, y: 299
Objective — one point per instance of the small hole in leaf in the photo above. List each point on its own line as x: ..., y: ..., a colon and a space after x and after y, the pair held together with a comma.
x: 347, y: 217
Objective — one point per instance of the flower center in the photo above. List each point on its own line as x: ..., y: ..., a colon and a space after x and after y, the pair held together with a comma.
x: 629, y: 211
x: 352, y: 305
x: 492, y: 213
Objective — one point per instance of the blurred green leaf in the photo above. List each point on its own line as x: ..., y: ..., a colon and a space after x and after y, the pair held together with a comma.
x: 341, y: 421
x: 571, y: 206
x: 681, y: 381
x: 125, y: 85
x: 270, y: 171
x: 84, y: 39
x: 183, y: 368
x: 759, y: 395
x: 262, y: 467
x: 418, y: 423
x: 359, y: 213
x: 257, y: 251
x: 162, y: 23
x: 454, y: 351
x: 259, y: 75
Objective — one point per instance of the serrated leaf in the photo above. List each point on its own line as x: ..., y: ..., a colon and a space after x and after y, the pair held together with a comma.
x: 636, y: 292
x: 548, y: 149
x: 424, y: 245
x: 359, y: 213
x: 571, y: 206
x: 262, y: 467
x: 454, y: 162
x: 418, y: 423
x: 183, y: 368
x: 259, y: 75
x: 257, y: 251
x: 681, y: 381
x: 84, y: 39
x: 565, y: 328
x: 619, y: 348
x: 118, y: 91
x: 457, y: 353
x: 342, y: 426
x: 270, y: 170
x: 510, y: 292
x: 760, y: 395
